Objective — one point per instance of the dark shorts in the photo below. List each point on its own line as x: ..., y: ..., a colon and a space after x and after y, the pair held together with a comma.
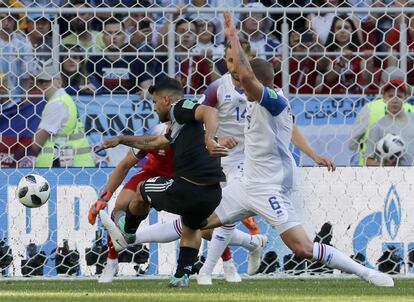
x: 192, y: 202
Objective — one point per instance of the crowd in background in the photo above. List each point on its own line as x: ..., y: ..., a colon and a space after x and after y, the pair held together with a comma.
x: 329, y: 53
x: 96, y: 52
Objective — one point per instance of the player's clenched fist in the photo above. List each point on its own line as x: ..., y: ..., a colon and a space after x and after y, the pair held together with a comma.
x: 228, y: 141
x: 215, y: 149
x: 100, y: 204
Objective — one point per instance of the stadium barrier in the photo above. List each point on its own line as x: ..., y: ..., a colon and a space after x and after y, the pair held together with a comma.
x: 326, y: 121
x: 362, y: 211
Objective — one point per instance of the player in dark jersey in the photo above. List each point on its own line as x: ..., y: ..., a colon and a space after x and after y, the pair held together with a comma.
x: 158, y: 163
x: 198, y: 173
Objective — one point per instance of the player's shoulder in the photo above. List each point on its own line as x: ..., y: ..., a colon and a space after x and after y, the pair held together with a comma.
x: 273, y: 100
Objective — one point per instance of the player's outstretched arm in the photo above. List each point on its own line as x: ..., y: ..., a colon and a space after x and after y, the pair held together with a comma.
x: 120, y: 172
x: 141, y: 142
x: 253, y: 88
x: 300, y: 141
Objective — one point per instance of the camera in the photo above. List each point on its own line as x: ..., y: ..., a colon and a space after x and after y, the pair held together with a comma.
x: 66, y: 260
x: 35, y: 262
x: 6, y: 256
x: 98, y: 254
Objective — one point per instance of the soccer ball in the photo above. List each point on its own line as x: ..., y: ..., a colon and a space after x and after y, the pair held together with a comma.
x: 33, y: 191
x: 390, y: 146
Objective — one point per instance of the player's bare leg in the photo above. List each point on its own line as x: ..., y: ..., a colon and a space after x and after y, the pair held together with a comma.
x: 300, y: 244
x: 111, y: 267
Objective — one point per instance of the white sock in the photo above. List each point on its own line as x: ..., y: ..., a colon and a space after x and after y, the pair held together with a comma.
x: 112, y: 262
x: 219, y: 240
x: 334, y: 258
x: 243, y: 239
x: 159, y: 232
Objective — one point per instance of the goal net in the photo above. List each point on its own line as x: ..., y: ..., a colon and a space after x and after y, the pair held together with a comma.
x: 331, y: 61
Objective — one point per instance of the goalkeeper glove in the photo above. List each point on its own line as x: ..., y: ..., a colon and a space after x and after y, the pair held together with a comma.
x: 100, y: 204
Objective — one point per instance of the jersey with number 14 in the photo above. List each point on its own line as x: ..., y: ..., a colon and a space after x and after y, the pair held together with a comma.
x: 268, y: 132
x: 231, y: 105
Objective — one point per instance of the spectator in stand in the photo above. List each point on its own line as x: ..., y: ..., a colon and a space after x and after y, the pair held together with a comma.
x: 118, y: 73
x: 304, y: 70
x: 256, y: 28
x: 4, y: 91
x: 16, y: 61
x: 75, y: 79
x: 346, y: 72
x: 370, y: 113
x: 393, y: 40
x: 140, y: 29
x: 208, y: 47
x: 192, y: 69
x: 321, y: 23
x: 39, y: 32
x: 60, y: 138
x: 374, y: 27
x: 22, y: 16
x: 80, y: 28
x: 396, y: 121
x: 206, y: 39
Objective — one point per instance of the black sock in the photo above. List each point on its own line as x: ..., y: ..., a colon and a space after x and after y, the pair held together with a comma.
x: 132, y: 221
x: 186, y: 260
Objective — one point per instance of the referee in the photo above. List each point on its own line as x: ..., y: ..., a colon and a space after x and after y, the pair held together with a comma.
x: 194, y: 192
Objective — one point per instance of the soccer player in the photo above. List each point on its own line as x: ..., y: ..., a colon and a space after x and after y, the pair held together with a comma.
x: 159, y: 162
x: 227, y: 97
x: 197, y: 173
x: 268, y: 176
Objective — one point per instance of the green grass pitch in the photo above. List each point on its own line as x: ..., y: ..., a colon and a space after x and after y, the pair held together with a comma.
x: 248, y: 290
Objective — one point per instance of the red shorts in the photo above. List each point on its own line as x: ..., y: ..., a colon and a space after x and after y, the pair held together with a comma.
x: 133, y: 183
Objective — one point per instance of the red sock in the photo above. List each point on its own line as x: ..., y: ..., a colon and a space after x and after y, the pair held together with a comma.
x: 226, y: 256
x: 112, y: 254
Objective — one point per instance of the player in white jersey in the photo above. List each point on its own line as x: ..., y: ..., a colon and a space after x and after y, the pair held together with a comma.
x: 269, y: 169
x: 228, y: 97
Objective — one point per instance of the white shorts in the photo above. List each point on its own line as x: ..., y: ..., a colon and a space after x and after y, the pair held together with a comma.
x: 233, y: 172
x: 272, y: 205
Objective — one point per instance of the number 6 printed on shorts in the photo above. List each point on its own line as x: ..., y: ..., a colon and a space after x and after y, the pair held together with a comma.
x: 275, y: 204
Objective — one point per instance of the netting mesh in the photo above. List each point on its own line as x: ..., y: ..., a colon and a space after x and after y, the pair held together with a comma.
x: 331, y: 60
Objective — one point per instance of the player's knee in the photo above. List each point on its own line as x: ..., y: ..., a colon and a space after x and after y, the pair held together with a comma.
x: 207, y: 234
x: 194, y: 223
